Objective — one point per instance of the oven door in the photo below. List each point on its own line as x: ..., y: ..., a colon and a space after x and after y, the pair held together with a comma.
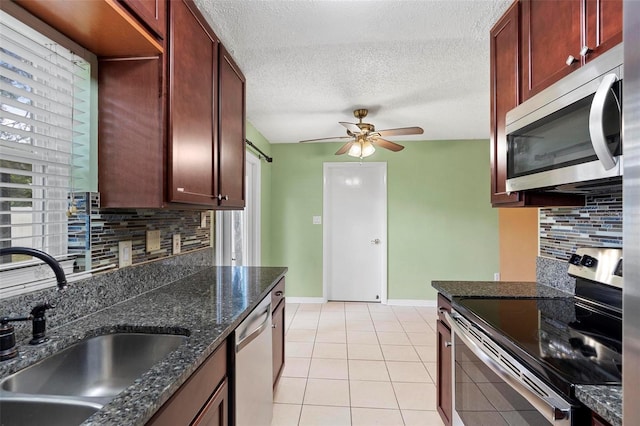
x: 491, y: 387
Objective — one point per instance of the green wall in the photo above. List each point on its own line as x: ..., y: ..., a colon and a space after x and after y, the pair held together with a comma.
x: 440, y: 223
x: 265, y: 193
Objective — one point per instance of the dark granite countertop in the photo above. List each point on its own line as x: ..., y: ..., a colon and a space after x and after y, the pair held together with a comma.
x: 451, y: 289
x: 606, y: 401
x: 207, y: 306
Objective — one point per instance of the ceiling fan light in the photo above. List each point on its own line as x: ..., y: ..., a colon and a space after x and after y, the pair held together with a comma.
x: 355, y: 150
x: 367, y: 149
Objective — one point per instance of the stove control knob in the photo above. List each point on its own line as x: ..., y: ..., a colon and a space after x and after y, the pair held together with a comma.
x: 588, y: 261
x: 575, y: 259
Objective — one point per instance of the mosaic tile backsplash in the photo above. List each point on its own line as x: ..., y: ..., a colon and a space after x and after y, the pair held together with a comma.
x: 597, y: 224
x: 94, y: 233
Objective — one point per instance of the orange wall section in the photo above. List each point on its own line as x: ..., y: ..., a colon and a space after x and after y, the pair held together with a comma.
x: 518, y: 243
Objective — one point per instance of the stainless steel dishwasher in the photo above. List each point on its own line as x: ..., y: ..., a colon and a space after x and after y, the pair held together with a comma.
x: 254, y: 377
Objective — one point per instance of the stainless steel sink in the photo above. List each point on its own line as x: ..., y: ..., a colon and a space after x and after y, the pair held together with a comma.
x: 49, y: 411
x: 100, y: 367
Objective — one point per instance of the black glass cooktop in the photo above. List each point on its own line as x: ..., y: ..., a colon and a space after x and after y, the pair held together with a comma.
x: 565, y: 342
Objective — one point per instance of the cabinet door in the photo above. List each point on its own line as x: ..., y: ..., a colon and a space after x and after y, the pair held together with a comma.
x: 603, y: 26
x: 151, y: 13
x: 231, y: 145
x: 192, y: 107
x: 505, y: 91
x: 551, y: 32
x: 278, y: 341
x: 444, y: 378
x: 216, y: 411
x: 131, y: 150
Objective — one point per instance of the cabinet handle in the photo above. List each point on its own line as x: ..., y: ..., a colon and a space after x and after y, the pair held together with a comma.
x: 570, y: 60
x: 447, y: 344
x: 279, y: 293
x: 222, y: 197
x: 585, y: 50
x: 195, y: 193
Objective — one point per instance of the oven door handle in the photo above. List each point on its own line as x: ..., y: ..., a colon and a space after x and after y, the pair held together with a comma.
x: 549, y: 410
x: 596, y: 122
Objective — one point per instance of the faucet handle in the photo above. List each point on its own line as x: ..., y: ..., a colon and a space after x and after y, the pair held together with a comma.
x: 8, y: 348
x: 39, y: 310
x: 39, y: 323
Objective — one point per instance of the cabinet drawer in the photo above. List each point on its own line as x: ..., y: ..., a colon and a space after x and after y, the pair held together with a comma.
x: 183, y: 407
x: 443, y: 304
x: 277, y: 294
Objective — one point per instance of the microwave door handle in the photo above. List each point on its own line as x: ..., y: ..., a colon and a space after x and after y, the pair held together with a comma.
x: 596, y: 122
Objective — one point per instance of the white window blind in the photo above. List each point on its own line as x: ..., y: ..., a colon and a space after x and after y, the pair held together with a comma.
x: 44, y: 136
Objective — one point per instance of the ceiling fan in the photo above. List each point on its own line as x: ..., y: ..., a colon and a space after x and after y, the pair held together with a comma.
x: 364, y: 137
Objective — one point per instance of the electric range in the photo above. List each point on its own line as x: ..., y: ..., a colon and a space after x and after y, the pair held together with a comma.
x: 541, y: 347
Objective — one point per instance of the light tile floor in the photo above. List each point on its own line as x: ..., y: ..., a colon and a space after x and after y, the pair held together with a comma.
x: 358, y: 364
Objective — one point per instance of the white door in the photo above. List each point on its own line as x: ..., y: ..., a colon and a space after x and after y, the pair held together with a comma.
x: 355, y: 231
x: 238, y: 231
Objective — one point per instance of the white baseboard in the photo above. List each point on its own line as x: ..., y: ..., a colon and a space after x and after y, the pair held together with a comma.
x: 411, y: 302
x: 395, y: 302
x: 306, y: 299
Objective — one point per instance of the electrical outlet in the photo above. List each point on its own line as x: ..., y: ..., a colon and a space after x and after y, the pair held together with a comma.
x: 153, y: 241
x: 176, y: 243
x: 203, y: 219
x: 496, y: 276
x: 317, y: 220
x: 124, y: 254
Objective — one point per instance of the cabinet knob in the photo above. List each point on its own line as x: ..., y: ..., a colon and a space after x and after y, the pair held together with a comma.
x: 222, y: 197
x: 570, y: 60
x: 585, y: 50
x: 447, y: 344
x: 278, y: 293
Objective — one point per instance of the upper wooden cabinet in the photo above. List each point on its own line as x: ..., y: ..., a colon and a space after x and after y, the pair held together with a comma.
x: 153, y: 13
x: 557, y: 37
x: 104, y: 27
x: 505, y: 95
x: 192, y: 127
x: 187, y: 152
x: 131, y: 149
x: 525, y: 45
x: 231, y: 143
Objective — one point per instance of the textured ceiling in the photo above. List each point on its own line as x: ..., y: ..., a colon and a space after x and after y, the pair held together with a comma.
x: 308, y: 64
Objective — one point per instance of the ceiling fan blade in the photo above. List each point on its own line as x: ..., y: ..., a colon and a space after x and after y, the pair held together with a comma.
x: 334, y: 138
x: 345, y: 148
x: 401, y: 131
x: 383, y: 143
x: 353, y: 127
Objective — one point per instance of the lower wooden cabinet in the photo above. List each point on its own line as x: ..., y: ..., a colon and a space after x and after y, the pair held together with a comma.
x: 216, y: 411
x: 202, y: 399
x: 444, y: 374
x: 596, y: 420
x: 278, y: 315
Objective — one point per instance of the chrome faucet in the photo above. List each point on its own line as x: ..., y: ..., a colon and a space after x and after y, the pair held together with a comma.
x: 7, y: 334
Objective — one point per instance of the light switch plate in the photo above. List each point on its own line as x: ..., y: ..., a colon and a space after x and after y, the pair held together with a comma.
x: 176, y: 244
x: 153, y: 240
x: 317, y: 220
x: 203, y: 219
x: 124, y: 254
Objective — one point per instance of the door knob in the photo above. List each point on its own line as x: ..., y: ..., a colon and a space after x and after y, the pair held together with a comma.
x: 376, y: 241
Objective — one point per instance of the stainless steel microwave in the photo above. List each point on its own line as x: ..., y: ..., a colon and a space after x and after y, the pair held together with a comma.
x: 567, y: 138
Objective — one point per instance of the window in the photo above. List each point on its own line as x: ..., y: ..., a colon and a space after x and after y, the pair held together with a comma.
x: 45, y: 138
